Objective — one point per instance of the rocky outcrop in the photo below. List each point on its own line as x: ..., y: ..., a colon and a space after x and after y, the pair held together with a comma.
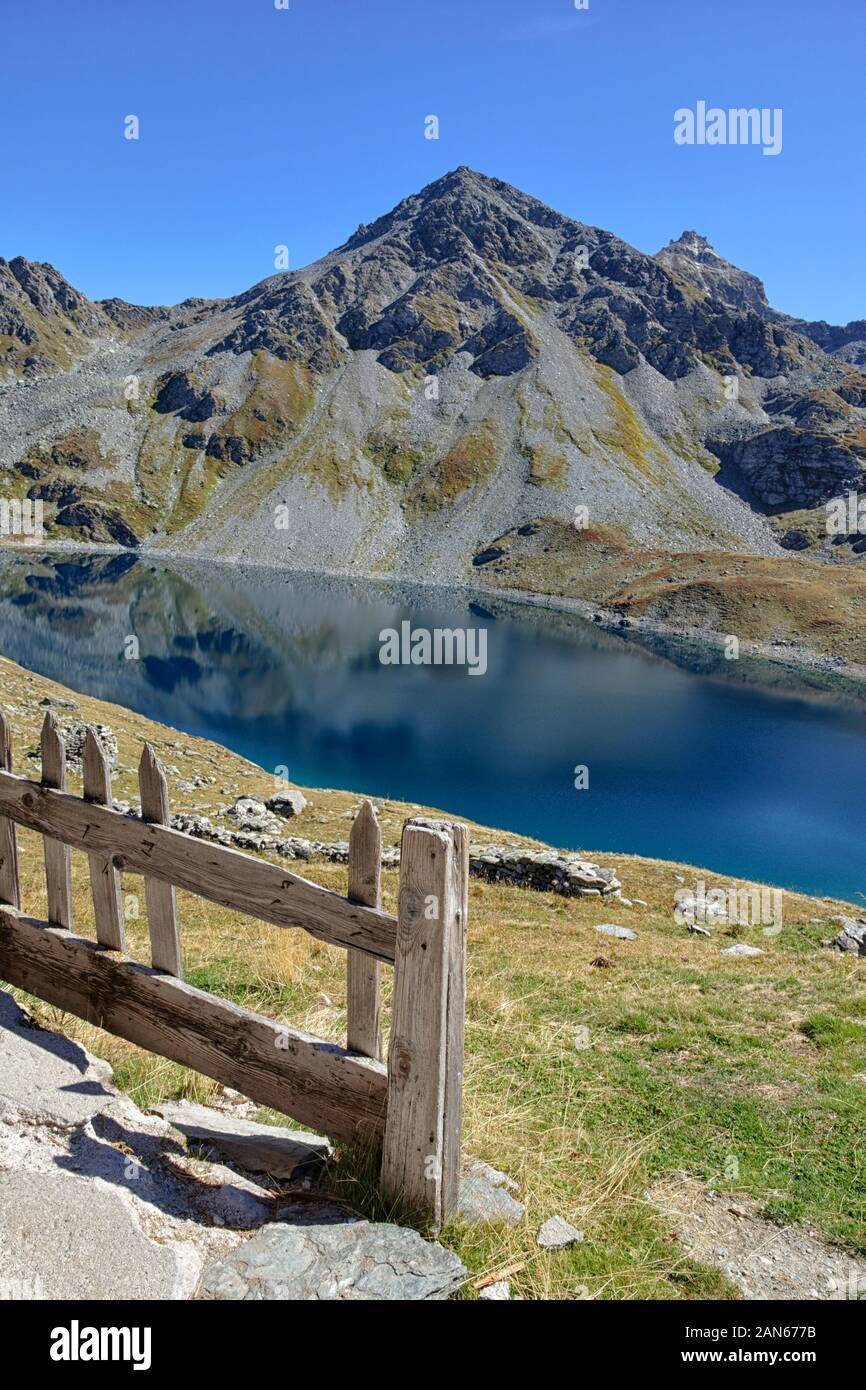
x: 790, y: 468
x: 94, y: 522
x: 177, y: 393
x: 548, y: 871
x: 693, y: 259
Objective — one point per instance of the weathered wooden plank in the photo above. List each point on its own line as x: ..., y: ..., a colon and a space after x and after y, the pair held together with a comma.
x: 215, y: 872
x: 10, y: 887
x: 58, y: 861
x: 414, y: 1156
x: 363, y: 986
x: 104, y: 878
x: 315, y: 1082
x: 452, y: 1123
x: 160, y: 897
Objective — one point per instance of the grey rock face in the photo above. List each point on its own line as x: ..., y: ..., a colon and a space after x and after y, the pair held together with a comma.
x: 793, y: 467
x: 51, y: 1227
x: 356, y: 1260
x: 82, y: 1170
x: 45, y: 1074
x: 694, y: 260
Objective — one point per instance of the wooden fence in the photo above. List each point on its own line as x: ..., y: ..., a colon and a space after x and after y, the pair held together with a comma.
x: 408, y: 1107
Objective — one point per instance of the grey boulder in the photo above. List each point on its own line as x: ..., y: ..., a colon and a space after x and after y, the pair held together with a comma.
x: 287, y: 804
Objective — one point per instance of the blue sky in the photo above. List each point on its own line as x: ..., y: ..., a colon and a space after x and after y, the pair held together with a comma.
x: 262, y: 127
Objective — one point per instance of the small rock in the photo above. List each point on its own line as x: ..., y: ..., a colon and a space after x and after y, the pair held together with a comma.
x: 741, y: 949
x: 58, y: 702
x: 485, y: 1202
x: 496, y: 1293
x: 621, y: 933
x: 696, y: 930
x: 479, y: 1169
x: 557, y: 1234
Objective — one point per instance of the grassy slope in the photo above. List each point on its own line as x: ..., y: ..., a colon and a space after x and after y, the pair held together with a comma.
x: 584, y: 1083
x: 756, y: 598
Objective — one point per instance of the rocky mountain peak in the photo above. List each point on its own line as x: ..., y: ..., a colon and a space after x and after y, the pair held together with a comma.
x: 695, y: 245
x: 45, y: 288
x: 695, y: 260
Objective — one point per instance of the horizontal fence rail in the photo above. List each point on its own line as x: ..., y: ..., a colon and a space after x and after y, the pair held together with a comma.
x: 409, y: 1108
x: 317, y: 1083
x: 215, y: 872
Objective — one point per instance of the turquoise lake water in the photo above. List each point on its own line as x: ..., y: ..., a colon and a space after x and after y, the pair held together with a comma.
x: 285, y: 669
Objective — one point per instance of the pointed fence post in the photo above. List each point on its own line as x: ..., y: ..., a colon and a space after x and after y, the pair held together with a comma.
x: 58, y: 860
x: 159, y: 897
x: 421, y: 1156
x: 10, y: 888
x: 364, y: 1007
x: 104, y: 878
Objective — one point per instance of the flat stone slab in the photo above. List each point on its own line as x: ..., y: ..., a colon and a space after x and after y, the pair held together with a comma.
x: 282, y: 1153
x: 741, y: 950
x: 621, y: 933
x: 355, y: 1260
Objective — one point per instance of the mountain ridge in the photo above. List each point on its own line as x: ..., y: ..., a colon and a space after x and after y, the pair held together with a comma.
x: 466, y: 364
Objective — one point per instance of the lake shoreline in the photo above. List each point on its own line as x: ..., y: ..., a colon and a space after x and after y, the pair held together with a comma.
x: 821, y: 676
